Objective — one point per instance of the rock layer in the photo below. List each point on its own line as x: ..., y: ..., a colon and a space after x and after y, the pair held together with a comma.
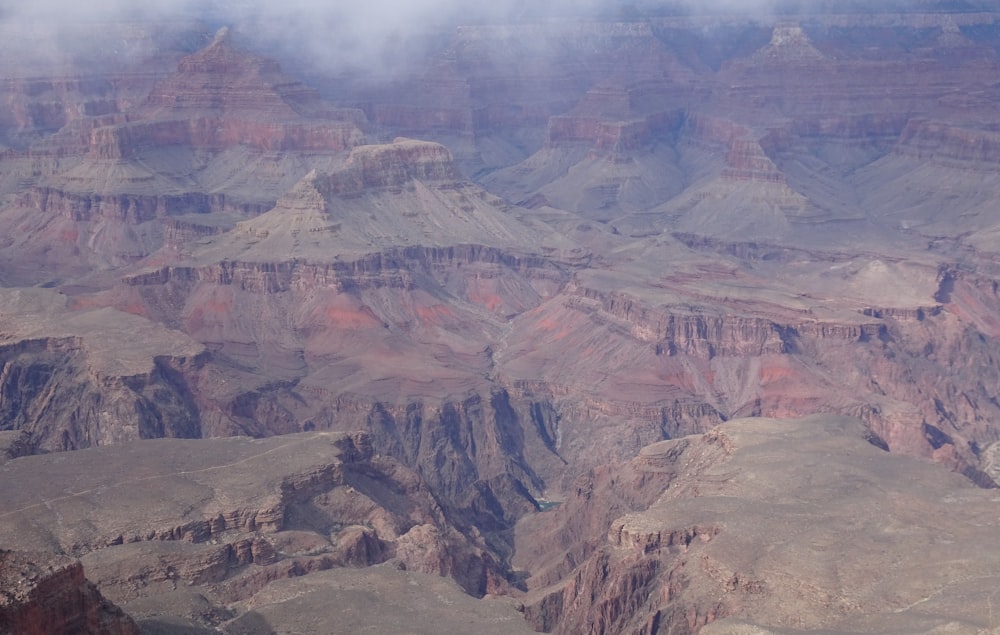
x: 722, y: 217
x: 731, y: 534
x: 232, y: 515
x: 44, y: 594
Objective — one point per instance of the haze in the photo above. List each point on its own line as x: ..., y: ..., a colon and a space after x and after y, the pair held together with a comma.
x: 379, y: 36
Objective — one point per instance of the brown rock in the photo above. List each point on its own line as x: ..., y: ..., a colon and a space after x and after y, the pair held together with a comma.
x: 42, y: 593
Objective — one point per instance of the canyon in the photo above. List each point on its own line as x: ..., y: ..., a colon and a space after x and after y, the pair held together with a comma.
x: 645, y: 321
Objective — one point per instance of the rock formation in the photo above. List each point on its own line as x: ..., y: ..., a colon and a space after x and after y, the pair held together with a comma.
x: 229, y: 516
x: 499, y: 275
x: 42, y: 594
x: 101, y: 187
x: 746, y: 527
x: 68, y: 381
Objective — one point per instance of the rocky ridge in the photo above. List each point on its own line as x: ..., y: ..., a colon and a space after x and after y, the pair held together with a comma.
x: 265, y: 510
x: 731, y: 541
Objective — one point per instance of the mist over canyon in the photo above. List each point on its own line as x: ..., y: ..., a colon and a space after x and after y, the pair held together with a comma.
x: 590, y: 318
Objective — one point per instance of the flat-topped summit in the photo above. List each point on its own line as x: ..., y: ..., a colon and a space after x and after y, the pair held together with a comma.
x: 393, y: 165
x: 384, y: 196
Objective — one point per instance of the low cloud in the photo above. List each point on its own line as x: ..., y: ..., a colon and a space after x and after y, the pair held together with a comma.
x: 376, y: 35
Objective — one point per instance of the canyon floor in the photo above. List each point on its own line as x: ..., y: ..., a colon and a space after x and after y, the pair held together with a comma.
x: 643, y: 320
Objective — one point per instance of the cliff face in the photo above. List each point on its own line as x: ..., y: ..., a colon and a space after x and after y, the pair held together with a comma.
x: 220, y: 78
x: 393, y: 165
x: 280, y: 508
x: 699, y: 335
x: 48, y: 104
x: 618, y: 119
x: 683, y: 559
x: 226, y: 133
x: 221, y: 97
x: 68, y: 382
x: 649, y: 364
x: 467, y: 435
x: 123, y: 208
x: 73, y: 78
x: 949, y: 144
x: 126, y: 141
x: 48, y: 391
x: 43, y: 594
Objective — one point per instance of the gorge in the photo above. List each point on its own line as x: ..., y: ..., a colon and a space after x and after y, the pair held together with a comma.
x: 584, y: 320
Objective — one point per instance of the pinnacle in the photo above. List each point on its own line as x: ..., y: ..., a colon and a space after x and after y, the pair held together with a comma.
x: 221, y: 36
x: 789, y: 43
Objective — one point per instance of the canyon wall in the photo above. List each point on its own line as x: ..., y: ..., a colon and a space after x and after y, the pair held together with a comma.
x: 45, y: 594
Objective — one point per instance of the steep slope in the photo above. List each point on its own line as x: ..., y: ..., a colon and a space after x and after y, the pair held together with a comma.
x: 69, y: 380
x: 49, y: 594
x: 368, y: 298
x: 225, y: 133
x: 224, y: 518
x: 748, y: 533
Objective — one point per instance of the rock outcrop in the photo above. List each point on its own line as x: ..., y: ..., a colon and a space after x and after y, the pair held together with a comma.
x: 68, y: 381
x: 41, y: 593
x: 232, y: 515
x: 730, y: 534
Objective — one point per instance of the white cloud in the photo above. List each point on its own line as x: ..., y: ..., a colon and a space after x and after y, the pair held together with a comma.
x: 372, y: 34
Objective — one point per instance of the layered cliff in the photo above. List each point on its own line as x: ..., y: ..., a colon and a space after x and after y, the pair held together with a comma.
x: 42, y: 593
x: 731, y: 535
x: 231, y: 516
x: 221, y: 97
x: 938, y: 141
x: 128, y: 140
x: 69, y: 381
x: 724, y: 217
x: 226, y: 133
x: 57, y: 72
x: 222, y: 79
